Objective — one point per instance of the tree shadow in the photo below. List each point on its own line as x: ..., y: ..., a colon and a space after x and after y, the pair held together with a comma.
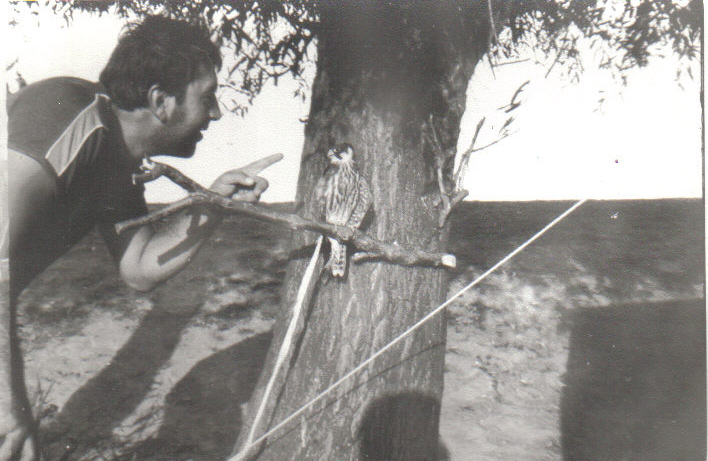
x: 635, y: 383
x: 203, y: 414
x: 402, y: 427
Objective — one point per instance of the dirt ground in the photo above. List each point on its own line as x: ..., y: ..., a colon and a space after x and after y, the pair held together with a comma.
x: 588, y: 346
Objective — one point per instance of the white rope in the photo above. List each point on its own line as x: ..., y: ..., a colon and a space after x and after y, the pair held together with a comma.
x: 410, y: 330
x: 285, y: 346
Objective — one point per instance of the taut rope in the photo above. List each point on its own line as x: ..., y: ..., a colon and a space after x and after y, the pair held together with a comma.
x: 247, y: 447
x: 284, y: 348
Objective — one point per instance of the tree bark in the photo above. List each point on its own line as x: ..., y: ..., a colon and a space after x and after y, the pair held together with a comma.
x: 384, y: 71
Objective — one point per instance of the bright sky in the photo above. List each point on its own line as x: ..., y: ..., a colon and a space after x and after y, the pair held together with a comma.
x: 644, y: 141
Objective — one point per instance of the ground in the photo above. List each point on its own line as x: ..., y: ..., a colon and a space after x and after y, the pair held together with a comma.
x: 590, y: 345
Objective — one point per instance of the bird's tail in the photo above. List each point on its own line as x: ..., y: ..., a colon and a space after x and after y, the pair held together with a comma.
x: 338, y: 257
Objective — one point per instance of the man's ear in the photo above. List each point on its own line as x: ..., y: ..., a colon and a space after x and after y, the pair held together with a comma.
x: 161, y: 103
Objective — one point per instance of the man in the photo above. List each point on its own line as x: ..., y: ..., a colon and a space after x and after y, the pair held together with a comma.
x: 73, y: 147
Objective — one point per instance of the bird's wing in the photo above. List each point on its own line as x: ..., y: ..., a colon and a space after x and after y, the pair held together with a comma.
x: 362, y: 205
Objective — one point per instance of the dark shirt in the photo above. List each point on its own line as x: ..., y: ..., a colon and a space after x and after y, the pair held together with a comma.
x: 67, y: 126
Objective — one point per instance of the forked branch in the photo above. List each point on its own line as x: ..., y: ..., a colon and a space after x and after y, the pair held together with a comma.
x: 451, y: 198
x: 199, y: 195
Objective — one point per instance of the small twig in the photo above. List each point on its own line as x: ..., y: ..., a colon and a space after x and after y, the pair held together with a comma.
x: 516, y: 61
x: 448, y: 200
x: 434, y: 140
x: 462, y: 168
x: 465, y: 158
x: 441, y: 185
x: 477, y: 149
x: 153, y: 170
x: 459, y: 175
x: 201, y: 196
x: 492, y: 33
x: 558, y: 56
x: 457, y: 198
x: 491, y: 64
x: 514, y: 104
x: 491, y: 22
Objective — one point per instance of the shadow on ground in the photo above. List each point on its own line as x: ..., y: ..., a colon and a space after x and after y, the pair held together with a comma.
x: 211, y: 391
x: 89, y: 416
x: 402, y: 427
x: 635, y: 383
x: 203, y: 411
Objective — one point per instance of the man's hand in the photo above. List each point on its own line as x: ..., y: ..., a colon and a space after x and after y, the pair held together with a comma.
x: 244, y: 184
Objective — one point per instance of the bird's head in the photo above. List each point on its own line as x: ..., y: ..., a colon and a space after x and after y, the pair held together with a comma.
x: 341, y: 154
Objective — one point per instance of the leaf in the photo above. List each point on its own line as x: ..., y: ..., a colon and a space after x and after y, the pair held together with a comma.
x: 506, y: 124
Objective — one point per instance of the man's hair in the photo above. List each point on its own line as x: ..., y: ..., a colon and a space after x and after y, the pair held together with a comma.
x: 159, y: 50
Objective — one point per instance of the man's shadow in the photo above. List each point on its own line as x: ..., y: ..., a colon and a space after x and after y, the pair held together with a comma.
x: 91, y: 413
x: 203, y: 414
x: 86, y: 422
x: 636, y: 383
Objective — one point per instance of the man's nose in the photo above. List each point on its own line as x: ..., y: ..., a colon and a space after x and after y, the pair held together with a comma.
x: 215, y: 112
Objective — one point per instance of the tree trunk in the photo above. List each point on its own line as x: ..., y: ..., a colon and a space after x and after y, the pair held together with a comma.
x: 384, y: 71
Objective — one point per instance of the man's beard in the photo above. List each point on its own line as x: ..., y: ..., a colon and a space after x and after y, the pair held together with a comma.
x: 184, y: 147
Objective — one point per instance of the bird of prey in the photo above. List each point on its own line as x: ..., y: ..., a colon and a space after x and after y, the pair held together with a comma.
x: 345, y: 198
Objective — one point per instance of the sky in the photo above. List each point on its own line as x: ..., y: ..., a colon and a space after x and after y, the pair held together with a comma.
x: 642, y: 141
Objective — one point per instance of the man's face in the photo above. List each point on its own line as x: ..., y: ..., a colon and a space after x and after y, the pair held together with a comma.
x: 191, y: 116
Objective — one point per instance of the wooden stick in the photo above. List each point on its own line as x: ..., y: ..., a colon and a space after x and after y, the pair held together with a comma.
x: 199, y: 195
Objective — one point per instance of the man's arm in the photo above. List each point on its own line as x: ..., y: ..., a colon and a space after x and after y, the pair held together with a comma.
x: 29, y: 191
x: 154, y: 254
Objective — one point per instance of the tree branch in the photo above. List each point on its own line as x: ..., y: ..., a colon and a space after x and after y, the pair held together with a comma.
x: 199, y: 195
x: 477, y: 149
x: 153, y: 170
x: 465, y: 158
x: 491, y: 22
x: 457, y: 198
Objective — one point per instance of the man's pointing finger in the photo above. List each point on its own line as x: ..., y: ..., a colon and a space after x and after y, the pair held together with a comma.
x: 256, y: 167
